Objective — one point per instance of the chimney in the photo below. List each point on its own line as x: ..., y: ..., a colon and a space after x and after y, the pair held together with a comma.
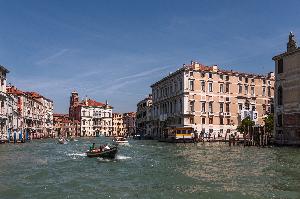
x: 215, y: 68
x: 196, y: 66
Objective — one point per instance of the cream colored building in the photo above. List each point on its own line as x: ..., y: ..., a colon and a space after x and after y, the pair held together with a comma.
x: 95, y: 117
x: 209, y: 99
x: 3, y: 104
x: 287, y: 95
x: 144, y: 117
x: 119, y: 127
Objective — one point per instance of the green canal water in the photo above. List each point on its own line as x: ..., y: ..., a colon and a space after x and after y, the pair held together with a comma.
x: 148, y: 169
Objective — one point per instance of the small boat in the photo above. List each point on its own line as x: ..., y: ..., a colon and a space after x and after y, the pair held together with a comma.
x: 120, y: 140
x: 104, y: 153
x: 62, y: 141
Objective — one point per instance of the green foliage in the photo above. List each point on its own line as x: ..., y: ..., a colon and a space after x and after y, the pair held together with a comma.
x: 246, y: 123
x: 269, y: 123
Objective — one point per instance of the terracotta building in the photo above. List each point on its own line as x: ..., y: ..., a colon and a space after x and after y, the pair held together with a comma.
x: 143, y: 117
x: 34, y: 113
x: 287, y: 95
x: 210, y: 100
x: 119, y: 127
x: 129, y: 120
x: 95, y: 117
x: 64, y: 126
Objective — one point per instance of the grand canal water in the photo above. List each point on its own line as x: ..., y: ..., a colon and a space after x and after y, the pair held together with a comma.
x: 148, y: 169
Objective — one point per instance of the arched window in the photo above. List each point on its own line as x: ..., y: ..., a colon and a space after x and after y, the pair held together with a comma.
x: 279, y: 95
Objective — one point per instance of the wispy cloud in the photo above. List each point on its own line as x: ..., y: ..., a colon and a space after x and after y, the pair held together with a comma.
x: 52, y: 57
x: 121, y: 82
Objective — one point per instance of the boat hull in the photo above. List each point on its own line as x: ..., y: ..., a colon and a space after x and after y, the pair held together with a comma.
x: 111, y: 153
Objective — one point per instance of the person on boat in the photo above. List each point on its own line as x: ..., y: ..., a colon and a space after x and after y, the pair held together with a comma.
x: 106, y: 147
x: 92, y: 147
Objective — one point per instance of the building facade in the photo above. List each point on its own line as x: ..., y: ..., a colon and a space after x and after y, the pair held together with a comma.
x: 119, y: 127
x: 32, y: 114
x: 287, y: 95
x: 129, y: 120
x: 95, y: 117
x: 63, y: 125
x: 3, y: 104
x: 210, y: 100
x: 144, y: 117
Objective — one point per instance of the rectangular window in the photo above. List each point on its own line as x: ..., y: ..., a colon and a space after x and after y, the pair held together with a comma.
x: 246, y: 90
x: 221, y: 121
x: 203, y: 107
x: 240, y: 89
x: 269, y: 91
x: 253, y: 107
x: 228, y: 121
x: 202, y: 86
x: 191, y: 120
x: 221, y: 88
x: 192, y: 106
x: 227, y: 108
x: 221, y: 107
x: 240, y: 78
x: 191, y: 73
x: 246, y: 79
x: 210, y: 120
x: 240, y: 107
x: 227, y: 78
x: 203, y: 120
x: 221, y: 76
x: 210, y: 88
x: 209, y: 75
x: 264, y: 91
x: 192, y: 85
x: 280, y: 66
x: 210, y: 108
x: 227, y: 88
x: 252, y: 90
x: 279, y: 120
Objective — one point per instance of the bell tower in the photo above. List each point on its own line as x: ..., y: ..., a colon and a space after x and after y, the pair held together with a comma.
x: 74, y: 102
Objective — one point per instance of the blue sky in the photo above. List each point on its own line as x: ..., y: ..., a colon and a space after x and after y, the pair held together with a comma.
x: 108, y: 49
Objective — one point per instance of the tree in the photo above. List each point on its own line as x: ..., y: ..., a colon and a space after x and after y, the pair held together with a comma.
x: 246, y: 124
x: 269, y: 123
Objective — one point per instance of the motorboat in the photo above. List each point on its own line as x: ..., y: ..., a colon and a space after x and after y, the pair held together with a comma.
x: 105, y: 152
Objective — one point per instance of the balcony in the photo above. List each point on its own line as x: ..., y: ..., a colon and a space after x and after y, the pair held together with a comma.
x: 221, y: 114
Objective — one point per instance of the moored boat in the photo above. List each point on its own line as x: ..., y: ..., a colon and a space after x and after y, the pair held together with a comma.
x: 103, y: 153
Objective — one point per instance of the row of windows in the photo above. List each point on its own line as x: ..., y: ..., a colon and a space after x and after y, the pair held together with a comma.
x: 227, y: 78
x: 163, y: 92
x: 222, y: 121
x: 225, y: 88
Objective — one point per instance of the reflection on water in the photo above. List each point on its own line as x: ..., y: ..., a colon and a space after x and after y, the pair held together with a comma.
x: 148, y: 169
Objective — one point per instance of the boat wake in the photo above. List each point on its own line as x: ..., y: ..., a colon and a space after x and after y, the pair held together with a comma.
x: 75, y: 155
x: 121, y: 157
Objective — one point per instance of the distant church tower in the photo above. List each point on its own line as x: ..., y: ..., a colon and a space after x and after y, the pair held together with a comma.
x: 74, y: 102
